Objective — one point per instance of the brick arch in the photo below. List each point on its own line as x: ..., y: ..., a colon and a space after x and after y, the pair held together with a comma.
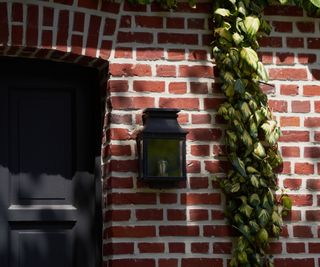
x: 85, y: 28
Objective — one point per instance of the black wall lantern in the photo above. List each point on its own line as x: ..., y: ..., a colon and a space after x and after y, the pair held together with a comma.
x: 162, y: 146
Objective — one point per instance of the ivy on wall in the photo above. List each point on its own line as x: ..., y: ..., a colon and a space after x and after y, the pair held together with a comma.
x: 253, y: 210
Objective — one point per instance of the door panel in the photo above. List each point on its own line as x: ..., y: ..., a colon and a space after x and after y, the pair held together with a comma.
x: 49, y: 211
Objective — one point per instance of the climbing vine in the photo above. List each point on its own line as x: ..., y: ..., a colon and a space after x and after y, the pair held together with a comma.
x: 253, y: 210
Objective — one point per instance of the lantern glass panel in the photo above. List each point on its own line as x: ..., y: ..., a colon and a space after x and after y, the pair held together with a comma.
x: 164, y: 157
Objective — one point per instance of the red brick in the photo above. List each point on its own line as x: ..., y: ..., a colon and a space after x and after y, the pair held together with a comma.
x: 120, y: 150
x: 289, y: 262
x: 88, y: 4
x: 295, y: 42
x: 117, y: 215
x: 168, y: 262
x: 283, y: 11
x: 149, y: 214
x: 178, y: 38
x: 105, y: 49
x: 311, y: 90
x: 200, y: 150
x: 312, y: 152
x: 293, y: 216
x: 222, y: 247
x: 121, y: 119
x: 32, y: 27
x: 199, y: 88
x: 181, y: 103
x: 204, y: 134
x: 301, y: 200
x: 132, y: 231
x: 282, y: 26
x: 200, y: 248
x: 213, y: 103
x: 63, y: 25
x: 176, y: 54
x: 217, y: 215
x: 312, y: 122
x: 274, y: 248
x: 307, y: 58
x: 177, y: 87
x: 198, y: 215
x: 292, y: 184
x: 124, y: 165
x: 313, y: 215
x: 76, y: 43
x: 201, y: 199
x: 135, y: 37
x: 302, y: 231
x: 111, y: 7
x: 130, y: 70
x: 151, y: 247
x: 149, y: 21
x: 125, y: 22
x: 177, y: 247
x: 314, y: 247
x: 313, y: 184
x: 118, y: 85
x: 201, y: 262
x: 304, y: 168
x: 289, y: 89
x: 195, y: 23
x: 296, y: 247
x: 266, y: 57
x: 132, y: 198
x: 313, y: 43
x: 196, y: 71
x: 304, y: 26
x: 278, y: 105
x: 123, y: 52
x: 199, y: 182
x: 175, y: 23
x: 217, y: 231
x: 216, y: 166
x: 166, y: 71
x: 149, y: 53
x: 315, y: 74
x: 270, y: 42
x: 317, y: 106
x: 168, y: 198
x: 294, y: 136
x: 193, y: 166
x: 119, y: 134
x: 285, y: 58
x: 289, y: 121
x: 201, y: 118
x: 176, y: 215
x: 118, y: 248
x: 288, y: 74
x: 290, y: 151
x: 4, y: 33
x: 131, y: 263
x: 148, y: 86
x: 17, y: 12
x: 198, y: 55
x: 120, y: 182
x: 300, y: 106
x: 122, y: 102
x: 17, y: 32
x: 179, y: 230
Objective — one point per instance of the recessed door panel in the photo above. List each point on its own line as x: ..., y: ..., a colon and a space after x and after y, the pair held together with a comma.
x: 50, y: 146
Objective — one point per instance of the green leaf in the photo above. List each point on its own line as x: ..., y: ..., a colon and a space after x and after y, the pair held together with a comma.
x: 254, y: 181
x: 237, y: 38
x: 246, y: 139
x: 253, y: 127
x: 235, y: 188
x: 254, y: 200
x: 242, y: 8
x: 262, y: 72
x: 246, y: 210
x: 254, y: 226
x: 263, y: 236
x: 192, y: 3
x: 245, y: 111
x: 263, y: 217
x: 223, y: 32
x: 249, y: 56
x: 286, y: 202
x: 222, y: 12
x: 276, y: 219
x: 315, y: 3
x: 259, y: 150
x: 252, y: 24
x: 237, y: 164
x: 242, y: 257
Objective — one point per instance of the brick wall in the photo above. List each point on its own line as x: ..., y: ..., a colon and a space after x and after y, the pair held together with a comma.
x: 162, y: 59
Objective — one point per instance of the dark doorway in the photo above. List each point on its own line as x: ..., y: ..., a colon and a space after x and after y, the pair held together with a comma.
x: 50, y: 143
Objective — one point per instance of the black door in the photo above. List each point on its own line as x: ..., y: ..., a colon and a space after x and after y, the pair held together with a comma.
x: 49, y: 157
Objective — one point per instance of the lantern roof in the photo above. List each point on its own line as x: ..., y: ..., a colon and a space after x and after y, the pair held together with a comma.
x: 162, y: 121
